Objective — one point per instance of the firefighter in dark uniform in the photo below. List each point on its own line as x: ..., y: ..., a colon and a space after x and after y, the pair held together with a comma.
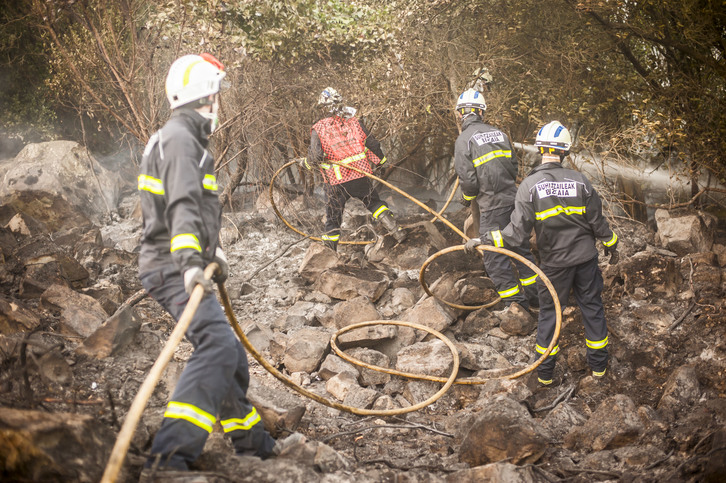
x: 343, y: 138
x: 566, y: 213
x: 487, y: 170
x: 182, y: 216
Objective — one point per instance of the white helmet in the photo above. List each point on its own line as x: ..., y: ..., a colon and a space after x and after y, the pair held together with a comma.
x: 330, y: 99
x: 482, y: 79
x: 193, y: 77
x: 553, y: 137
x: 470, y: 100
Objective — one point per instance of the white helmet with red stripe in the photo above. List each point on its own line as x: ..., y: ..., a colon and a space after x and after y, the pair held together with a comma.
x: 554, y: 138
x: 193, y: 77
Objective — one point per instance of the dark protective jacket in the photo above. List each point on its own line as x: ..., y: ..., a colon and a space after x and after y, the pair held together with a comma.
x: 178, y: 192
x: 346, y: 141
x: 566, y: 213
x: 486, y: 165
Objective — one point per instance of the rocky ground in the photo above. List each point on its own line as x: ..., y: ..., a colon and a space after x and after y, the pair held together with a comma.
x: 73, y: 354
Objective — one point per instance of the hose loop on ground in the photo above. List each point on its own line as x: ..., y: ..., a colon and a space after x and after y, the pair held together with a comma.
x: 406, y: 195
x: 370, y: 175
x: 447, y: 381
x: 288, y: 224
x: 468, y: 381
x: 315, y: 397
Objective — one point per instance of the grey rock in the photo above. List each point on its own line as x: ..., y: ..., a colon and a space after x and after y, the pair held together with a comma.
x: 426, y: 358
x: 370, y: 377
x: 306, y: 350
x: 346, y: 283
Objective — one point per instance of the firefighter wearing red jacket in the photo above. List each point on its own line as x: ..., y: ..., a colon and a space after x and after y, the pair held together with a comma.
x: 343, y: 138
x: 566, y: 213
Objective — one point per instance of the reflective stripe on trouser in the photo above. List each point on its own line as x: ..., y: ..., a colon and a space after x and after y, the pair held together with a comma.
x: 212, y: 385
x: 336, y: 195
x: 585, y: 281
x: 499, y: 267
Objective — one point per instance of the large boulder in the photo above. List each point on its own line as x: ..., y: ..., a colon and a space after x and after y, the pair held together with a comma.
x: 78, y: 314
x: 426, y: 358
x: 614, y: 424
x: 681, y: 390
x: 318, y: 258
x: 306, y: 351
x: 688, y: 233
x: 423, y: 240
x: 64, y: 169
x: 346, y: 283
x: 503, y: 430
x: 42, y: 446
x: 653, y: 272
x: 349, y: 312
x: 430, y: 313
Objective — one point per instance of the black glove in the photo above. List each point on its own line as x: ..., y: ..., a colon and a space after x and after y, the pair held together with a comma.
x: 194, y: 276
x: 380, y: 167
x: 464, y: 201
x: 470, y: 246
x: 220, y: 276
x: 611, y: 248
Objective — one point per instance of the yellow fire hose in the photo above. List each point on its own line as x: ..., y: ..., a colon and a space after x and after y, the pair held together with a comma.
x: 522, y: 372
x: 362, y: 412
x: 118, y: 453
x: 370, y: 175
x: 448, y: 201
x: 543, y: 277
x: 123, y: 439
x: 288, y: 224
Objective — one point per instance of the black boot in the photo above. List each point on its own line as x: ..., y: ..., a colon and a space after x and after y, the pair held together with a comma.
x: 332, y: 244
x: 389, y: 223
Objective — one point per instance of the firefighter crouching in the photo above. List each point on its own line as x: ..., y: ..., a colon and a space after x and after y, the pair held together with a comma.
x: 566, y: 213
x: 343, y: 138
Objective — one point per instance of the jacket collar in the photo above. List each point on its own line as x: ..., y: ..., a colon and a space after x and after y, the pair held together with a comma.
x: 199, y: 125
x: 470, y: 120
x: 545, y: 167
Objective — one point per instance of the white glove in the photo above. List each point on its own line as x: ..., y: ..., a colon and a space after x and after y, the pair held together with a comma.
x: 470, y: 246
x: 221, y: 275
x: 194, y: 276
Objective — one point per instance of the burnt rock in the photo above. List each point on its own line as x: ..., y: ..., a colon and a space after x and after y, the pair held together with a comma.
x: 503, y: 429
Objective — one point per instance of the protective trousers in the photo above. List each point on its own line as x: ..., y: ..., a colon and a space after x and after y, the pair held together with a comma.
x: 499, y: 267
x: 336, y: 197
x: 586, y: 282
x: 212, y: 387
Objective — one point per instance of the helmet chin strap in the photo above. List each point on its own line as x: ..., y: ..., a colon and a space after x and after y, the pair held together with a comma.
x: 211, y: 115
x: 470, y: 113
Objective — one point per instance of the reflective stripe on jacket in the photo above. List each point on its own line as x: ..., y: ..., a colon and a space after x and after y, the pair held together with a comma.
x: 345, y: 141
x: 486, y: 165
x: 179, y: 195
x: 566, y: 213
